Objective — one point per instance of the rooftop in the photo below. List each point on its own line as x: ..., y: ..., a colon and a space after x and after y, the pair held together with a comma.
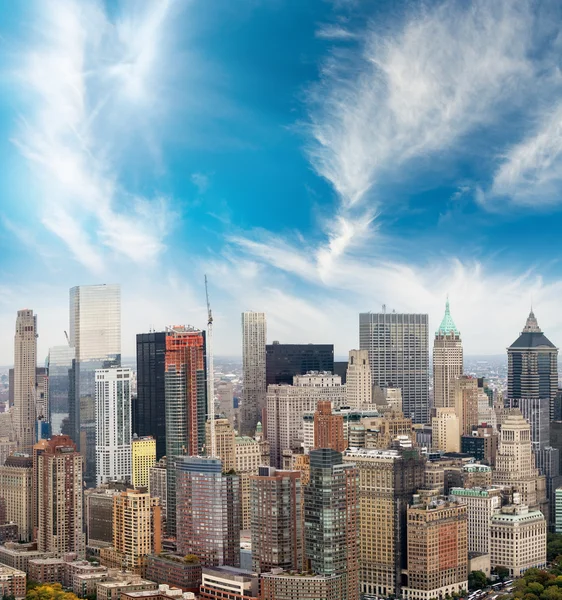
x: 447, y: 326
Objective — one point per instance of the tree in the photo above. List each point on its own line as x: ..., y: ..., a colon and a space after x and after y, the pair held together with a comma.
x: 477, y: 580
x: 502, y: 573
x: 553, y: 546
x: 51, y: 591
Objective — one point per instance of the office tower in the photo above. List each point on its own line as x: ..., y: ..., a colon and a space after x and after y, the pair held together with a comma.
x: 136, y: 527
x: 537, y: 412
x: 149, y: 415
x: 143, y: 458
x: 331, y: 516
x: 16, y: 483
x: 481, y: 504
x: 98, y: 513
x: 532, y: 365
x: 59, y: 366
x: 465, y: 395
x: 515, y: 463
x: 57, y: 477
x: 249, y: 457
x: 224, y: 443
x: 398, y: 349
x: 387, y: 399
x: 482, y: 444
x: 328, y: 428
x: 186, y: 403
x: 359, y: 384
x: 25, y: 364
x: 208, y: 511
x: 286, y: 405
x: 95, y: 335
x: 437, y: 550
x: 113, y: 428
x: 518, y: 539
x: 387, y: 483
x: 254, y: 337
x: 284, y: 361
x: 445, y: 430
x: 340, y: 368
x: 548, y: 463
x: 276, y: 520
x: 158, y: 486
x: 225, y: 395
x: 382, y: 430
x: 447, y: 361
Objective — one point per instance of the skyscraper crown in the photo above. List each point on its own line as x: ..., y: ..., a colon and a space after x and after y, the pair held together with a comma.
x: 447, y: 326
x: 532, y: 325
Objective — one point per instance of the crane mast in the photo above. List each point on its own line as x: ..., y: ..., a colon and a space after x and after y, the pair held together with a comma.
x: 210, y: 374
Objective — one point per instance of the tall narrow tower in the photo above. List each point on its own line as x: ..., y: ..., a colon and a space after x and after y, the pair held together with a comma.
x: 25, y: 378
x: 447, y: 361
x: 359, y: 384
x: 254, y: 335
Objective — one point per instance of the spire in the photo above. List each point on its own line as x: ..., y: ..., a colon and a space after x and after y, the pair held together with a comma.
x: 531, y: 326
x: 447, y: 326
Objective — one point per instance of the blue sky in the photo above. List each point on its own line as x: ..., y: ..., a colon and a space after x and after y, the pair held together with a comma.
x: 314, y: 158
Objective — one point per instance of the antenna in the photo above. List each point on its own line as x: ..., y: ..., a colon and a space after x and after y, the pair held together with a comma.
x: 210, y: 373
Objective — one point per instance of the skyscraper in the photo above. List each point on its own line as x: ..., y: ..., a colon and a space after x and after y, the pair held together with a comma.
x: 328, y: 428
x: 25, y: 379
x: 143, y: 458
x: 359, y: 384
x: 59, y: 368
x: 149, y: 415
x: 465, y: 402
x: 57, y: 478
x: 186, y: 403
x: 284, y: 361
x: 224, y: 442
x: 398, y: 349
x: 208, y: 511
x: 447, y: 360
x: 95, y: 335
x: 16, y: 483
x: 331, y: 516
x: 276, y: 520
x: 532, y: 365
x: 113, y: 425
x: 254, y: 337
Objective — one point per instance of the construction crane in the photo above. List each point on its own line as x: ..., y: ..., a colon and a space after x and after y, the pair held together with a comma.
x: 210, y: 373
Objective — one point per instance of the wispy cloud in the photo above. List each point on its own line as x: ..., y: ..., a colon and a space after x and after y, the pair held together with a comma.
x: 200, y: 181
x: 335, y: 32
x: 88, y: 85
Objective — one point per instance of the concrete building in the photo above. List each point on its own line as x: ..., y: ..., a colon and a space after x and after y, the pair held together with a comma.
x: 482, y: 444
x: 558, y: 510
x: 12, y: 582
x: 254, y: 339
x: 228, y: 583
x: 481, y: 504
x: 25, y: 379
x: 465, y: 393
x: 46, y: 570
x: 276, y: 520
x: 16, y: 480
x: 447, y: 361
x: 123, y: 583
x: 7, y: 447
x: 208, y: 511
x: 398, y: 347
x: 249, y: 458
x: 437, y: 550
x: 98, y: 504
x: 359, y: 384
x: 224, y: 442
x: 476, y: 476
x: 17, y: 556
x: 445, y: 430
x: 328, y: 428
x: 57, y: 480
x: 518, y: 539
x: 290, y: 586
x: 536, y: 412
x: 388, y: 480
x: 179, y: 571
x: 225, y: 395
x: 143, y: 458
x: 387, y: 399
x: 113, y: 425
x: 157, y: 484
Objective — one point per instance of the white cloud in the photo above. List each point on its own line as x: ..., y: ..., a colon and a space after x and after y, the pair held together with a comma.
x: 200, y: 181
x: 335, y: 32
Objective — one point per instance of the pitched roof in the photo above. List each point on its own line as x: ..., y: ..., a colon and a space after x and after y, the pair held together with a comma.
x: 532, y: 335
x: 447, y: 326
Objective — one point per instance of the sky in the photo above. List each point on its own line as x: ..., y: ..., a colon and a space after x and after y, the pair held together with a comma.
x: 315, y: 159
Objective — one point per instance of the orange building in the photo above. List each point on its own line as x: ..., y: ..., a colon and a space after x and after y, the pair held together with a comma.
x: 328, y: 428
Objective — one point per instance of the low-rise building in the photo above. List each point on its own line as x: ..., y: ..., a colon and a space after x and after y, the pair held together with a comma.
x: 9, y: 532
x: 112, y: 589
x: 228, y: 583
x: 282, y: 585
x: 479, y: 562
x: 12, y: 582
x: 164, y: 592
x: 178, y: 571
x: 46, y: 570
x: 17, y: 556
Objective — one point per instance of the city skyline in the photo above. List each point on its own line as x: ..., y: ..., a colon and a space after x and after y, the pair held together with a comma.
x: 360, y: 169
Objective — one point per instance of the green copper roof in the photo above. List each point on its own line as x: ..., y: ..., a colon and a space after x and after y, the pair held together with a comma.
x: 447, y: 324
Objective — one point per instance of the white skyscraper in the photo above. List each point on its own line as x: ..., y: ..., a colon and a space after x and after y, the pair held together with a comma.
x: 359, y: 384
x: 25, y: 379
x: 254, y: 336
x: 113, y: 425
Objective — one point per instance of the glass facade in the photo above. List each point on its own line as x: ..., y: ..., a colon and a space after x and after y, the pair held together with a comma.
x: 59, y: 366
x: 284, y: 361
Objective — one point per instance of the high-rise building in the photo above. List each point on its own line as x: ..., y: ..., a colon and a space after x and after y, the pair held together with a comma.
x: 143, y: 458
x: 149, y: 414
x: 186, y: 404
x: 437, y: 550
x: 445, y: 430
x: 249, y: 458
x: 331, y: 515
x: 59, y: 368
x: 276, y: 520
x: 398, y: 347
x: 388, y: 481
x: 515, y: 462
x: 328, y: 428
x: 136, y: 527
x: 113, y: 425
x: 465, y: 395
x: 284, y: 361
x: 208, y: 511
x: 95, y: 335
x: 224, y: 442
x: 447, y: 361
x: 16, y: 483
x: 25, y: 379
x: 225, y: 395
x: 290, y: 586
x: 98, y: 513
x: 254, y: 337
x: 532, y: 365
x: 57, y: 480
x: 359, y: 384
x: 537, y: 412
x: 157, y: 485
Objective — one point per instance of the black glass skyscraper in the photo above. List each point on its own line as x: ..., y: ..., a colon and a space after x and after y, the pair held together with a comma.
x: 284, y: 361
x: 149, y: 414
